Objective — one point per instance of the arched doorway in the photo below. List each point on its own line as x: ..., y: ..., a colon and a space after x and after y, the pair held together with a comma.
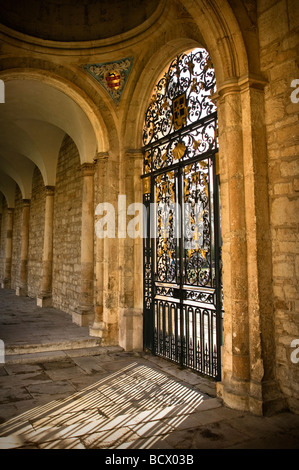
x: 182, y: 246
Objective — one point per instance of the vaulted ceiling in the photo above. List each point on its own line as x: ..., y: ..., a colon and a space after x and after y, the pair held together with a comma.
x: 36, y: 114
x: 75, y: 20
x: 33, y: 121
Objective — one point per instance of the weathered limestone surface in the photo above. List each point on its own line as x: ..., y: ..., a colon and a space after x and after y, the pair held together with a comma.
x: 279, y: 62
x: 36, y: 227
x: 67, y: 228
x: 7, y: 236
x: 44, y: 297
x: 22, y: 286
x: 84, y: 311
x: 131, y: 260
x: 2, y: 238
x: 16, y: 239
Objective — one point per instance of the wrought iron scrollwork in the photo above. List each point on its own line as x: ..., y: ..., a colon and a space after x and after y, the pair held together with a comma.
x: 180, y: 268
x: 182, y: 110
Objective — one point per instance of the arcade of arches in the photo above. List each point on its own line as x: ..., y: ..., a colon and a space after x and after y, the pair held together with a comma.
x: 78, y: 79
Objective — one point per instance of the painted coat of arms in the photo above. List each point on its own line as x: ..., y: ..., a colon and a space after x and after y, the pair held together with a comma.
x: 112, y: 75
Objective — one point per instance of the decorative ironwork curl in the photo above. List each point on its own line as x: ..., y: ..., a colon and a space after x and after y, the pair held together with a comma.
x: 182, y: 97
x: 180, y: 141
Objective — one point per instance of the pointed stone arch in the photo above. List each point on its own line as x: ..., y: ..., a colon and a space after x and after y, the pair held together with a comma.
x: 248, y: 373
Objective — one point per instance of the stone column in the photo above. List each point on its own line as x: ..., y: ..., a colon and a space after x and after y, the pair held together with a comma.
x: 106, y: 325
x: 235, y: 352
x: 98, y: 325
x: 6, y: 283
x: 44, y: 298
x: 84, y: 313
x: 265, y: 396
x: 247, y: 374
x: 131, y: 308
x: 111, y: 261
x: 21, y: 289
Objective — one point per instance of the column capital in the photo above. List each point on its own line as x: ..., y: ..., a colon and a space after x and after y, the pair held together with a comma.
x: 239, y: 84
x: 10, y: 210
x: 50, y: 190
x: 26, y: 202
x: 87, y: 169
x: 101, y: 156
x: 134, y: 153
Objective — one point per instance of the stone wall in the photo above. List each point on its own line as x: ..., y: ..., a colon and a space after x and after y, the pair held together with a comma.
x: 277, y: 21
x: 67, y: 228
x: 16, y: 239
x: 246, y: 54
x: 2, y: 238
x: 36, y: 230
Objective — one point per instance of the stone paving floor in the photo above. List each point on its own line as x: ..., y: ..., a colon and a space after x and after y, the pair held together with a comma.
x: 60, y: 390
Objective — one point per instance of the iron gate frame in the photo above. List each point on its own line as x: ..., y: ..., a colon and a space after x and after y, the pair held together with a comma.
x: 205, y: 361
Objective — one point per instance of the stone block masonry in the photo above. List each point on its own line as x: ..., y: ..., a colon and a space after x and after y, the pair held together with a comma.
x: 36, y: 228
x: 279, y: 63
x: 67, y: 228
x: 2, y: 236
x: 16, y: 239
x: 66, y: 267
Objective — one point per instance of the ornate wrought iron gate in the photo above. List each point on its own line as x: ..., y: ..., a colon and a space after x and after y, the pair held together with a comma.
x: 182, y: 259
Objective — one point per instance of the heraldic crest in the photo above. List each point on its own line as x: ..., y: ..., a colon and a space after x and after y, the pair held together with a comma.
x: 112, y: 75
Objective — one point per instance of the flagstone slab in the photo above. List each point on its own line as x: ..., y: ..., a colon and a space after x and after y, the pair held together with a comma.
x: 56, y: 389
x: 70, y: 443
x: 109, y: 439
x: 11, y: 442
x: 22, y: 368
x: 10, y: 395
x: 90, y: 365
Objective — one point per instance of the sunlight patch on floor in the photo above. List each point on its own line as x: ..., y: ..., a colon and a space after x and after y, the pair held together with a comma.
x: 135, y: 403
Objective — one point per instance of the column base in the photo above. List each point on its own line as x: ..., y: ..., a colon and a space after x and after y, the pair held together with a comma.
x: 21, y: 291
x: 109, y: 333
x: 6, y: 284
x: 44, y: 300
x: 261, y: 404
x: 131, y: 330
x: 97, y: 329
x: 83, y: 315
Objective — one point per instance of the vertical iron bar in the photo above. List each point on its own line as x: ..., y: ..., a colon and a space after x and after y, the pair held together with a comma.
x: 153, y: 255
x: 176, y: 333
x: 181, y: 255
x: 202, y: 341
x: 211, y: 343
x: 171, y: 340
x: 187, y: 310
x: 194, y: 343
x: 219, y: 328
x: 147, y: 261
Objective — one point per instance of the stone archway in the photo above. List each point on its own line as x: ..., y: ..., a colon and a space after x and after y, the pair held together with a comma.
x: 248, y: 375
x: 40, y: 110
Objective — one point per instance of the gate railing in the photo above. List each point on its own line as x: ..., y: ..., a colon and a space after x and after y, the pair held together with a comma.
x: 187, y: 335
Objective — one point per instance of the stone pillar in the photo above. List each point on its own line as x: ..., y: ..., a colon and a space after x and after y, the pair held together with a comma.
x: 98, y: 325
x: 106, y: 324
x: 111, y: 261
x: 131, y: 309
x: 248, y: 381
x: 235, y: 357
x: 84, y: 313
x: 44, y: 298
x: 6, y: 282
x: 21, y: 289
